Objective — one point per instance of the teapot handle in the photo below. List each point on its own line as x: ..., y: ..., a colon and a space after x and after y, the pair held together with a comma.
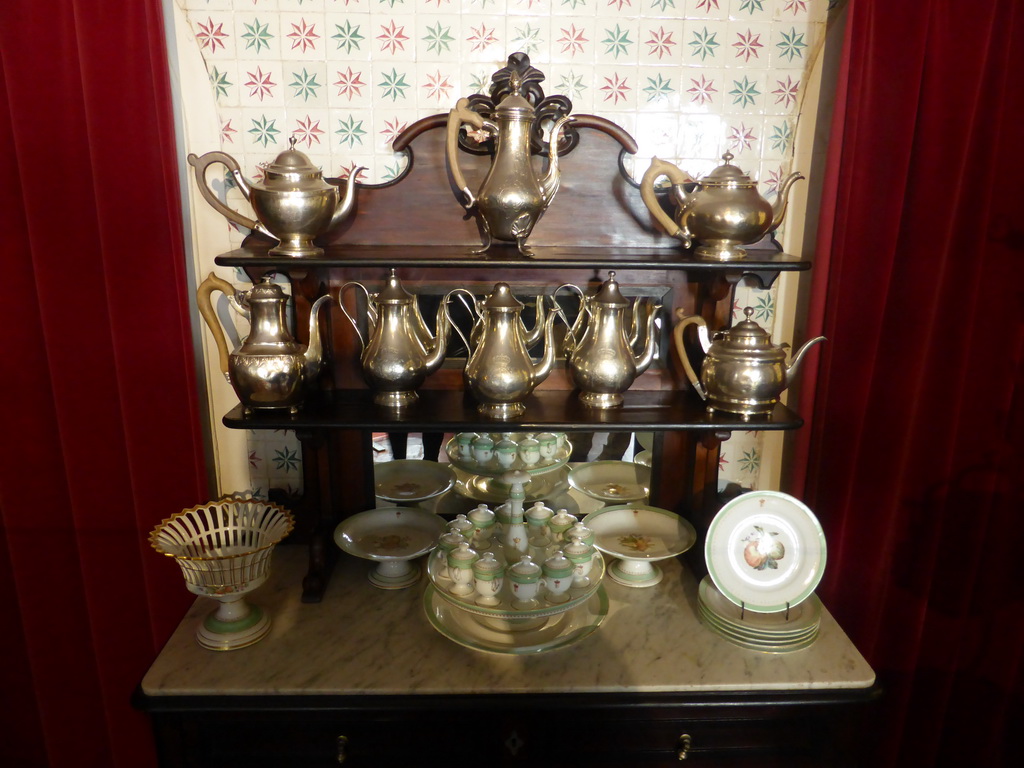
x: 200, y: 164
x: 678, y: 177
x: 460, y: 114
x: 677, y: 337
x: 369, y: 307
x: 203, y: 294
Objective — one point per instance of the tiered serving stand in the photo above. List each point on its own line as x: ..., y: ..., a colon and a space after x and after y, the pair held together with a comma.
x: 481, y: 480
x: 505, y: 629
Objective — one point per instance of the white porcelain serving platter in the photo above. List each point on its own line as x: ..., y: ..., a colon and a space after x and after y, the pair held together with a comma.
x: 410, y: 481
x: 455, y: 502
x: 761, y: 645
x: 639, y: 535
x: 801, y: 620
x: 781, y: 632
x: 393, y: 537
x: 765, y: 551
x: 612, y: 481
x: 492, y: 489
x: 559, y: 631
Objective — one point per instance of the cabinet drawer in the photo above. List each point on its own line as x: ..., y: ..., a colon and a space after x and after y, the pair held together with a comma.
x: 545, y: 737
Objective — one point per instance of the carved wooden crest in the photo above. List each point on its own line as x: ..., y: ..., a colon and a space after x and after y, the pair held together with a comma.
x: 548, y: 108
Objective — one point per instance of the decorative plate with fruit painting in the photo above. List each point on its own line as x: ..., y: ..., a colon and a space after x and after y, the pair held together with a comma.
x: 765, y: 550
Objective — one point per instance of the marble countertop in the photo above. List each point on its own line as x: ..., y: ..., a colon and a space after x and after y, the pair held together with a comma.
x: 366, y: 641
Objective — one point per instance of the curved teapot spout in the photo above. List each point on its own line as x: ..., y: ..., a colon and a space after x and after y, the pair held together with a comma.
x: 419, y: 326
x: 783, y: 197
x: 645, y: 358
x: 794, y: 364
x: 549, y: 184
x: 533, y: 335
x: 314, y: 351
x: 438, y: 346
x: 635, y: 321
x: 543, y: 368
x: 345, y: 206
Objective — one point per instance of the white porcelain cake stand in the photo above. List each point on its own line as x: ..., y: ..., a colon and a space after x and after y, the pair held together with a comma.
x: 392, y: 537
x: 639, y: 536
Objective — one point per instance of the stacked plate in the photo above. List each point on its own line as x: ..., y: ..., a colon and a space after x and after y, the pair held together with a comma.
x: 778, y: 632
x: 765, y: 553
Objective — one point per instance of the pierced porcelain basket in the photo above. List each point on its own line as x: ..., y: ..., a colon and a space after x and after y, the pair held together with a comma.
x: 223, y: 549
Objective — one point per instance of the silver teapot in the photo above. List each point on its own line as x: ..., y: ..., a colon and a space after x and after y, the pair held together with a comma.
x: 743, y: 372
x: 723, y: 212
x: 511, y: 199
x: 294, y: 204
x: 602, y: 364
x: 499, y: 371
x: 399, y: 351
x: 269, y: 369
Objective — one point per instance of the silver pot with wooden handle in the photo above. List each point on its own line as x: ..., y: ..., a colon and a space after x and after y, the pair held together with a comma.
x: 294, y: 204
x: 723, y: 212
x: 269, y: 369
x: 742, y: 372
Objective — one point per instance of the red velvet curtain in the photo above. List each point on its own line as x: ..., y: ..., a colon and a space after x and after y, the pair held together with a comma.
x: 100, y: 418
x: 914, y: 463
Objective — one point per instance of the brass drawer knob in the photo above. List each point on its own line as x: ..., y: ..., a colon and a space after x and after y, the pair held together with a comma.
x: 342, y: 745
x: 683, y: 745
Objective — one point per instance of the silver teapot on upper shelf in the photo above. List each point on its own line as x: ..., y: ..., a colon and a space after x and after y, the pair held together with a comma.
x: 602, y: 363
x: 294, y: 204
x: 399, y: 351
x: 743, y: 372
x: 511, y: 199
x: 269, y: 369
x: 499, y: 371
x: 724, y: 211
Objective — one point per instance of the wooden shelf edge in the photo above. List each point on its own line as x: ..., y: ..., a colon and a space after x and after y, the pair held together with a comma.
x: 341, y: 256
x: 561, y: 410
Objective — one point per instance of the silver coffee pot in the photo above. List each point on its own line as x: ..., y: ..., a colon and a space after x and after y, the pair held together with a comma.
x: 723, y: 212
x: 269, y: 369
x: 512, y: 198
x: 399, y: 351
x: 743, y: 372
x: 294, y: 204
x: 499, y: 371
x: 602, y: 364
